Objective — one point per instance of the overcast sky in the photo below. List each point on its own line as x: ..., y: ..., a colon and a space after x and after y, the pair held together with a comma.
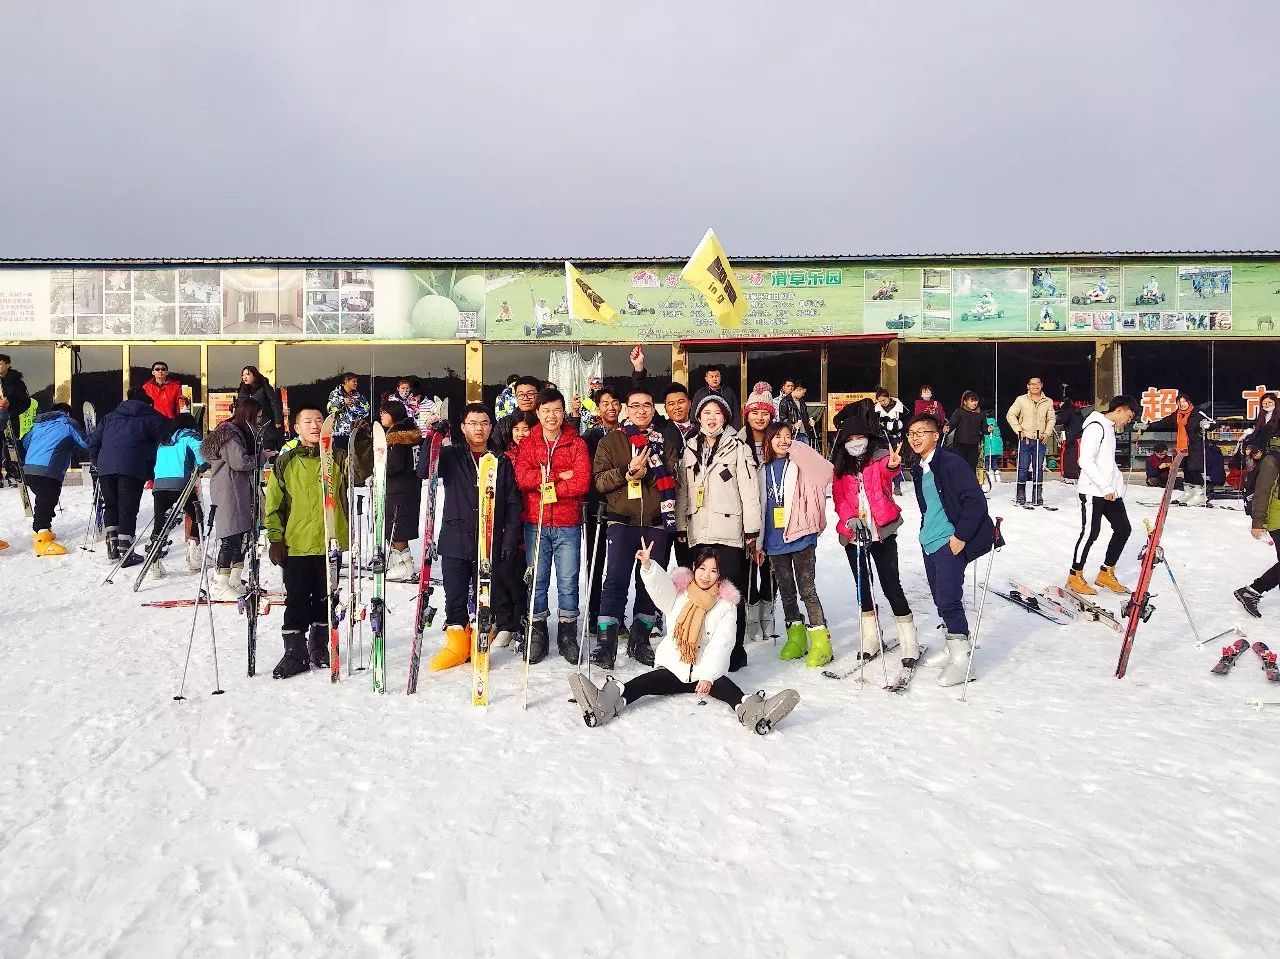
x: 598, y: 128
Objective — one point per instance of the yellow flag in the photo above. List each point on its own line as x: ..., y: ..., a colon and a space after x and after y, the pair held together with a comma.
x: 708, y: 271
x: 584, y: 302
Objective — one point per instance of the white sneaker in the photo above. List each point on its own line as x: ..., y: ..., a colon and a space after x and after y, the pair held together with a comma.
x: 193, y: 556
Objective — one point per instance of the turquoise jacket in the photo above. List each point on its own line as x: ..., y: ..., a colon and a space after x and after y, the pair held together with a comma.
x: 176, y: 459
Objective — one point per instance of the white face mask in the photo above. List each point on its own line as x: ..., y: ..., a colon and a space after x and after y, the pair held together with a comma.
x: 856, y: 447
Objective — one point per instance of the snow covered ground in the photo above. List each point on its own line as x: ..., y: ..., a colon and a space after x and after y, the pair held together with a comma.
x: 1059, y: 812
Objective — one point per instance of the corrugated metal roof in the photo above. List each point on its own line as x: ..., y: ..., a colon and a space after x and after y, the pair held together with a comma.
x: 596, y: 260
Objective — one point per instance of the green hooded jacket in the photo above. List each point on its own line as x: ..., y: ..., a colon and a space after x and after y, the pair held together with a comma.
x: 295, y: 501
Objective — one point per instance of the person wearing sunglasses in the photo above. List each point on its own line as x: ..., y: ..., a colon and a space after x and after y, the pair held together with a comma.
x: 166, y: 394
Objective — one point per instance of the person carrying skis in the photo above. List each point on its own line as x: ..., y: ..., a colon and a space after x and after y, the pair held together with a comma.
x: 176, y: 459
x: 348, y: 407
x: 718, y: 501
x: 636, y: 473
x: 793, y: 509
x: 459, y: 472
x: 1031, y: 418
x: 46, y: 456
x: 166, y: 394
x: 553, y: 471
x: 294, y: 521
x: 869, y: 519
x: 761, y: 589
x: 1101, y: 492
x: 231, y: 450
x: 954, y: 530
x: 123, y: 448
x: 404, y: 488
x: 967, y: 426
x: 698, y: 612
x: 609, y: 408
x: 14, y: 400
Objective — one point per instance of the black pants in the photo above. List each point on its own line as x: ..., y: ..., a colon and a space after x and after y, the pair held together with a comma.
x: 663, y: 682
x: 458, y: 575
x: 121, y: 496
x: 231, y: 550
x: 760, y: 584
x: 732, y: 561
x: 1271, y: 578
x: 45, y: 490
x: 306, y: 593
x: 620, y: 560
x: 594, y: 556
x: 885, y: 555
x: 1093, y: 509
x: 509, y: 594
x: 1071, y: 460
x: 968, y: 452
x: 163, y: 500
x: 683, y: 553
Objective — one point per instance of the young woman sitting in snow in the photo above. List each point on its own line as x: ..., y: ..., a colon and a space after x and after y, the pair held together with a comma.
x: 700, y: 612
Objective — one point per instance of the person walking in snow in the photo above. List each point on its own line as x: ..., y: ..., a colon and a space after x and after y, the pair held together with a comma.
x: 176, y: 459
x: 46, y: 456
x: 793, y: 508
x: 761, y: 588
x: 718, y: 502
x: 868, y: 522
x: 347, y: 406
x: 1101, y: 491
x: 404, y: 488
x: 124, y: 453
x: 231, y: 450
x: 967, y: 427
x: 459, y: 471
x: 954, y: 530
x: 294, y: 521
x: 1031, y: 418
x: 699, y: 613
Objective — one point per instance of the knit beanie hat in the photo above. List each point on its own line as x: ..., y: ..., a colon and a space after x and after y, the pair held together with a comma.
x: 714, y: 398
x: 761, y: 399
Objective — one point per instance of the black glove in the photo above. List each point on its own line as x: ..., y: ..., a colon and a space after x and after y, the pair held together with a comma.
x: 278, y: 552
x: 204, y: 468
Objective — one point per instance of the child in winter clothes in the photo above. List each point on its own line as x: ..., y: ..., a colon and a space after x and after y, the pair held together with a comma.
x: 699, y: 613
x: 47, y: 450
x: 176, y: 459
x: 993, y: 447
x: 295, y: 529
x: 232, y: 453
x: 868, y: 523
x: 794, y: 481
x: 404, y: 488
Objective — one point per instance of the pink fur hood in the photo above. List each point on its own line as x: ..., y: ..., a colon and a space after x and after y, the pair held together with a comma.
x: 683, y: 576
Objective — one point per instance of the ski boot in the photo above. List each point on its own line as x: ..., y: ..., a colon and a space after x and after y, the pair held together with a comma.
x: 1106, y: 578
x: 1079, y: 585
x: 906, y: 626
x: 234, y: 580
x: 109, y: 536
x: 124, y: 543
x: 756, y: 712
x: 295, y: 658
x: 47, y: 545
x: 960, y: 649
x: 598, y: 706
x: 502, y: 638
x: 819, y: 647
x: 755, y: 629
x: 638, y: 646
x: 872, y: 640
x: 540, y: 642
x: 1249, y: 599
x: 193, y: 555
x: 605, y: 651
x: 567, y: 640
x: 318, y: 645
x: 457, y: 649
x: 400, y: 567
x: 797, y: 643
x: 220, y: 589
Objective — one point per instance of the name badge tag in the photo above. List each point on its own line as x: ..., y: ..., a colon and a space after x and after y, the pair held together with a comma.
x: 779, y: 517
x: 548, y: 493
x: 698, y: 497
x: 634, y: 489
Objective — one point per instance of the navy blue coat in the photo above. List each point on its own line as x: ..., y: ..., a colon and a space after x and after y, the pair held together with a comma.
x: 962, y: 501
x: 125, y: 441
x: 457, y: 534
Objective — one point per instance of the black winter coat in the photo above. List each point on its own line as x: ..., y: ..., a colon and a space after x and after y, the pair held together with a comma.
x: 1069, y: 419
x: 458, y: 524
x: 968, y: 426
x: 125, y: 441
x: 268, y: 400
x: 15, y: 391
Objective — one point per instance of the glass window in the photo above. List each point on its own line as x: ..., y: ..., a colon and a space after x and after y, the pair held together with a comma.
x: 949, y: 369
x: 701, y: 359
x: 773, y: 366
x: 183, y: 363
x: 225, y: 364
x: 96, y: 379
x: 35, y: 363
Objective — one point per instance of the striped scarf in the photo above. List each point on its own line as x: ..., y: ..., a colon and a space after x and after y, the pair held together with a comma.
x: 662, y: 480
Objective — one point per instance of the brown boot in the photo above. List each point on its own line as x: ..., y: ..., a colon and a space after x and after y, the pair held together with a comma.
x: 1107, y: 580
x: 1078, y: 584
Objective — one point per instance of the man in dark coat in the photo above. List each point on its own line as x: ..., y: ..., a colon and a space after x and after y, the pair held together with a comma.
x: 124, y: 452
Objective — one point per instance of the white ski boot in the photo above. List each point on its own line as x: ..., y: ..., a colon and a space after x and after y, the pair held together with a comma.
x: 754, y: 631
x: 400, y: 567
x: 960, y: 649
x: 220, y: 588
x: 906, y: 626
x: 756, y: 712
x: 233, y: 579
x: 193, y: 556
x: 598, y: 706
x: 872, y: 641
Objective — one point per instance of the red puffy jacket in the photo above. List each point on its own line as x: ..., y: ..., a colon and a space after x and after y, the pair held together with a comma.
x: 569, y: 455
x: 166, y: 399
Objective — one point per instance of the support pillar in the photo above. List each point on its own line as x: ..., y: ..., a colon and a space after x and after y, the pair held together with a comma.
x: 889, y: 366
x: 474, y: 371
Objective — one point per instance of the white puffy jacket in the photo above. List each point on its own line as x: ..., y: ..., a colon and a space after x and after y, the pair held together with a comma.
x: 1099, y: 474
x: 719, y: 626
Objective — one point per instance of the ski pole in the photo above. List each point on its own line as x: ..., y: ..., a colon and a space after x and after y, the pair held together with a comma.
x: 201, y: 597
x: 591, y: 578
x: 129, y: 552
x: 857, y: 592
x: 1176, y: 588
x: 875, y: 608
x: 977, y: 624
x: 1235, y: 631
x: 533, y: 590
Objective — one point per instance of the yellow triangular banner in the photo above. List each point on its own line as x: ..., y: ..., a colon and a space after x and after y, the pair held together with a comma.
x: 708, y: 271
x: 584, y: 302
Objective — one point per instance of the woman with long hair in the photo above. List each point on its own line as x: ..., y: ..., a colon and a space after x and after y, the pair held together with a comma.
x: 233, y: 454
x: 176, y: 459
x: 254, y: 386
x: 759, y: 416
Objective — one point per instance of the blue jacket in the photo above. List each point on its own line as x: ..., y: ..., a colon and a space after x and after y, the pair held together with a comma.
x: 176, y: 458
x: 125, y: 441
x: 962, y: 501
x: 47, y: 445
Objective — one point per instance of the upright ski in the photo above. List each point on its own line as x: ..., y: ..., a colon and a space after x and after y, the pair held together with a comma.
x: 1138, y: 608
x: 334, y: 549
x: 487, y: 483
x: 424, y: 613
x: 377, y: 604
x: 249, y: 602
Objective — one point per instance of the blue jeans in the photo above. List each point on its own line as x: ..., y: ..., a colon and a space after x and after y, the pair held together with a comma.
x: 1031, y: 460
x: 945, y: 572
x: 563, y: 545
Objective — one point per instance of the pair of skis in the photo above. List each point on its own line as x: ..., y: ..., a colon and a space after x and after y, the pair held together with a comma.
x: 1231, y: 653
x: 1033, y: 602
